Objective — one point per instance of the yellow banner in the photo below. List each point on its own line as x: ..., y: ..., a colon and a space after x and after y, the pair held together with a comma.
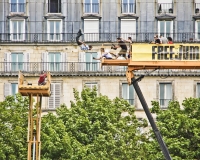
x: 165, y: 52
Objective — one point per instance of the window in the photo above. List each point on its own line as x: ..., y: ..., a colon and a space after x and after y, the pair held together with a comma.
x: 54, y: 6
x: 197, y: 29
x: 16, y: 61
x: 165, y: 6
x: 91, y: 85
x: 91, y: 6
x: 198, y: 90
x: 165, y: 28
x: 54, y: 29
x: 87, y: 63
x: 17, y: 30
x: 128, y: 28
x: 54, y: 99
x: 165, y: 94
x: 17, y: 6
x: 10, y: 89
x: 54, y: 61
x: 128, y: 6
x: 91, y: 29
x: 128, y: 93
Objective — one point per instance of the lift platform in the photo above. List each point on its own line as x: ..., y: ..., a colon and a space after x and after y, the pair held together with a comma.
x: 157, y: 56
x: 34, y: 115
x: 27, y: 89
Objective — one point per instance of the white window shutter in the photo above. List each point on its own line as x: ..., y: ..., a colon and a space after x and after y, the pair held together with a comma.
x: 26, y: 61
x: 63, y: 62
x: 128, y: 28
x: 57, y: 94
x: 91, y: 29
x: 82, y: 65
x: 54, y: 99
x: 7, y: 60
x: 44, y: 61
x: 7, y: 89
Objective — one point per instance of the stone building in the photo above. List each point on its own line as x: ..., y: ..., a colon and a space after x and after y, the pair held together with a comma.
x: 38, y: 35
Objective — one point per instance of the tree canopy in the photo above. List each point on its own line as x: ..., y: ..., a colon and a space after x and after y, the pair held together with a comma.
x: 95, y: 127
x: 180, y: 128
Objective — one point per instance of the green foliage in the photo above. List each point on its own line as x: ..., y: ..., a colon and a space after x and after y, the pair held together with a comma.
x: 13, y: 128
x: 92, y: 128
x: 180, y: 128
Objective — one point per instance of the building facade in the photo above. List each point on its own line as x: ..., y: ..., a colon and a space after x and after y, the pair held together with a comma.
x: 40, y: 35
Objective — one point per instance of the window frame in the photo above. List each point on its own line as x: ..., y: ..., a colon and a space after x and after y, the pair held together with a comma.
x: 17, y: 66
x: 158, y: 92
x: 8, y: 88
x: 17, y: 3
x: 128, y: 5
x: 97, y: 82
x: 121, y: 93
x: 54, y: 33
x: 91, y: 7
x: 13, y: 33
x: 48, y: 7
x: 165, y: 34
x: 166, y: 9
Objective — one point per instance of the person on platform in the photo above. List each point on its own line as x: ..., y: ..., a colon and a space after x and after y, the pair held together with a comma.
x: 42, y: 78
x: 105, y: 54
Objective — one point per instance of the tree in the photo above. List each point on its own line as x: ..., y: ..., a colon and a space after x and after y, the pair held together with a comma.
x: 13, y: 128
x: 93, y: 128
x: 180, y: 128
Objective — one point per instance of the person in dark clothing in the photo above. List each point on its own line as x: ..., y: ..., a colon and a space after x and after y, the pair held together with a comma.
x: 157, y: 40
x: 122, y: 45
x: 41, y: 80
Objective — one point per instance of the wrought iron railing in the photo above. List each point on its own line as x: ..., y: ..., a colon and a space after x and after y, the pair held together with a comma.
x: 85, y: 68
x: 189, y: 37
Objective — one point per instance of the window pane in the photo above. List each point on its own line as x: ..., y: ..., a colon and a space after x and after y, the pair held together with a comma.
x: 125, y: 1
x: 168, y: 27
x: 95, y: 1
x: 198, y: 90
x: 14, y: 26
x: 162, y: 91
x: 13, y: 1
x: 20, y: 26
x: 51, y: 23
x: 87, y: 1
x: 162, y: 27
x: 168, y: 91
x: 14, y: 88
x: 124, y: 91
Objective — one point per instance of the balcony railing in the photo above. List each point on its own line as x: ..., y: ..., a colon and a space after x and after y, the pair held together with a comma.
x: 91, y: 7
x: 86, y: 68
x: 165, y: 8
x: 190, y: 37
x: 63, y: 68
x: 17, y: 7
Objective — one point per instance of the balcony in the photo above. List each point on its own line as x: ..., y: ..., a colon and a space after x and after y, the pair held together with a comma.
x: 165, y: 8
x: 84, y: 69
x: 91, y: 8
x: 17, y: 7
x: 187, y: 37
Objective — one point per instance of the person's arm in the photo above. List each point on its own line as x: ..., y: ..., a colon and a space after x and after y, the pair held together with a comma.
x: 97, y: 58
